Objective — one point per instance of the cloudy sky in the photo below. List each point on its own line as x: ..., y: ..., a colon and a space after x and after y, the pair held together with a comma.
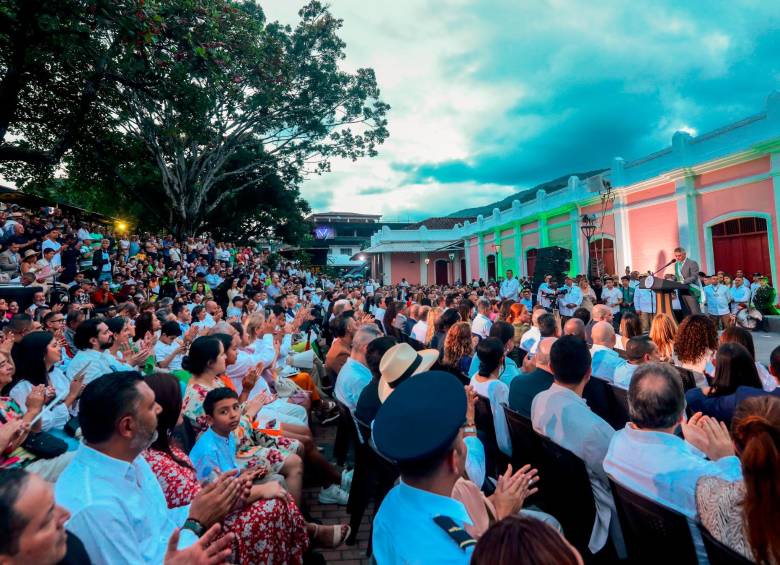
x: 494, y: 96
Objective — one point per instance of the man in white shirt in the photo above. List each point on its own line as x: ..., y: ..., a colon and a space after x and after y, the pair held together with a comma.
x: 571, y: 299
x: 562, y: 415
x: 51, y: 243
x: 640, y: 349
x: 482, y: 323
x: 510, y: 287
x: 611, y: 296
x: 117, y: 506
x: 542, y: 295
x: 718, y: 298
x: 644, y: 305
x: 169, y: 349
x: 420, y: 329
x: 605, y: 359
x: 531, y: 338
x: 93, y: 339
x: 355, y: 374
x: 740, y: 295
x: 649, y: 459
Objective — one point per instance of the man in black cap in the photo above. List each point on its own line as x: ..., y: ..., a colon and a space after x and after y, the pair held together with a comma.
x: 420, y: 426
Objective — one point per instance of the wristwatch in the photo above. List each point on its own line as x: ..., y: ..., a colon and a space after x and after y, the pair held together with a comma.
x: 470, y: 430
x: 194, y: 526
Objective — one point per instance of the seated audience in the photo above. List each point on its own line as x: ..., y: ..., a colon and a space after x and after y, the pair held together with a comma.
x: 605, y: 360
x: 630, y: 326
x: 639, y: 350
x: 354, y: 374
x: 560, y: 414
x: 742, y: 336
x: 524, y: 539
x: 695, y: 343
x: 743, y: 514
x: 117, y: 507
x: 16, y: 425
x: 37, y: 361
x: 482, y: 323
x: 736, y: 378
x: 575, y: 327
x: 368, y: 404
x: 343, y: 328
x: 662, y: 332
x: 458, y: 351
x: 491, y: 355
x: 526, y: 386
x: 504, y: 332
x: 649, y: 459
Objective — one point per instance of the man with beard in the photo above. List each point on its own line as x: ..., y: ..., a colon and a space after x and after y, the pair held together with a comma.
x: 117, y: 507
x: 93, y: 339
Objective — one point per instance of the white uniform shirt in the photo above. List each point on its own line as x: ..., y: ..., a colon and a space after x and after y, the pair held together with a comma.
x: 573, y: 296
x: 612, y: 297
x: 480, y: 326
x: 718, y: 298
x: 510, y: 289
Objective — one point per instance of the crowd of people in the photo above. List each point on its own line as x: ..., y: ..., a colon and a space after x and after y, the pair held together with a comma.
x: 159, y: 398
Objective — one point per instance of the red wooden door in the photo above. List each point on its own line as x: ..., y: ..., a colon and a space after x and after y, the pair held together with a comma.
x: 463, y: 271
x: 602, y: 254
x: 741, y: 244
x: 491, y: 268
x: 441, y: 272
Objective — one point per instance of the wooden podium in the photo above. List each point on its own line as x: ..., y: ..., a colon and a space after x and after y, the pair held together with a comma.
x: 664, y: 290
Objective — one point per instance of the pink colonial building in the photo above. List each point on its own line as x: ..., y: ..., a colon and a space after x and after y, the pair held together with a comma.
x: 717, y: 195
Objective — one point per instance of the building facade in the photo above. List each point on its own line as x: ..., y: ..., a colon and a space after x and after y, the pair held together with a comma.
x: 717, y: 195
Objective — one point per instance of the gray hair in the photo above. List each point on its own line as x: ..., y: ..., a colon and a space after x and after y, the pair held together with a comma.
x: 656, y: 398
x: 366, y: 334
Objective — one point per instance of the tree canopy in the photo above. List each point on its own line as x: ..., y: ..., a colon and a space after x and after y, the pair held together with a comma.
x: 201, y: 113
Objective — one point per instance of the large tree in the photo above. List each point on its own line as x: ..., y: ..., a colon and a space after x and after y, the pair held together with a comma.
x: 224, y: 105
x: 229, y: 83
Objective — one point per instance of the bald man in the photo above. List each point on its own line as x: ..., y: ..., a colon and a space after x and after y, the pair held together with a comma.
x: 604, y: 358
x: 600, y: 313
x: 574, y: 326
x: 525, y: 386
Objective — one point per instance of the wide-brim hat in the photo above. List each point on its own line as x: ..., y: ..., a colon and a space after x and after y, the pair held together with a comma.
x: 30, y: 253
x: 401, y: 362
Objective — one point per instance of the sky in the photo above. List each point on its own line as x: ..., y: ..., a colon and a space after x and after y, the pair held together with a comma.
x: 490, y: 97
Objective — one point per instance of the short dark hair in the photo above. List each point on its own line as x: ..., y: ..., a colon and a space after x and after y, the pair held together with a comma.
x: 86, y: 331
x: 583, y: 314
x: 570, y: 359
x: 204, y: 350
x: 171, y: 328
x: 490, y: 351
x: 655, y: 396
x: 215, y: 396
x: 639, y: 346
x: 12, y: 483
x: 20, y: 323
x: 105, y: 401
x: 375, y: 350
x: 547, y: 325
x: 503, y: 331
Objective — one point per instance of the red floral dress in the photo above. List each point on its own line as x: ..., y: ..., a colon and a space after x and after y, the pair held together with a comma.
x: 269, y: 532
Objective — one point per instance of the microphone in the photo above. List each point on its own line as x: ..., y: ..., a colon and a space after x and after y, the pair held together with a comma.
x: 672, y: 262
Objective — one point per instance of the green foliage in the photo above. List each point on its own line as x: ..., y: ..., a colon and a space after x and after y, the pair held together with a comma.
x: 199, y: 114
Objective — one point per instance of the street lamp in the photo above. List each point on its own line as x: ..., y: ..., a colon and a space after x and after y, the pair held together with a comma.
x: 588, y: 228
x: 427, y: 260
x: 452, y: 256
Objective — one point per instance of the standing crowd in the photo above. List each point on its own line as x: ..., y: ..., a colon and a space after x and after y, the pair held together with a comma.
x: 159, y: 398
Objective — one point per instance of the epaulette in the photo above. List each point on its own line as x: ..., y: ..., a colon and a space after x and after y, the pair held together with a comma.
x: 458, y: 534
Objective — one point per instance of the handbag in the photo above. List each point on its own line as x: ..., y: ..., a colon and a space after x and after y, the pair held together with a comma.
x: 45, y: 445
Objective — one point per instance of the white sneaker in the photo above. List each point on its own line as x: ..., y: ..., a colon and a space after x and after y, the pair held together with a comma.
x: 346, y: 479
x: 333, y: 495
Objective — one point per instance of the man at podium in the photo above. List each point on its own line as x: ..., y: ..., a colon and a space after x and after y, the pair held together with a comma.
x: 686, y: 271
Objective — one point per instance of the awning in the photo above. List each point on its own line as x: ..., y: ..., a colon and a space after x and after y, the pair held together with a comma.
x: 414, y: 247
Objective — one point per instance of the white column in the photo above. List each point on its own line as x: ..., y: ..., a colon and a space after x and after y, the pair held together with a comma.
x: 423, y: 269
x: 519, y: 255
x: 774, y: 244
x: 481, y: 257
x: 622, y: 236
x: 467, y: 256
x: 387, y: 269
x: 688, y: 219
x: 578, y: 259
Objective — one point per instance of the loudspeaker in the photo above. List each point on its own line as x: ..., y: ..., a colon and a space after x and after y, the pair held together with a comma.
x: 553, y: 261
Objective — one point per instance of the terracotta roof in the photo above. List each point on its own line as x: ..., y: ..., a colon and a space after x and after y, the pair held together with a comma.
x: 440, y: 223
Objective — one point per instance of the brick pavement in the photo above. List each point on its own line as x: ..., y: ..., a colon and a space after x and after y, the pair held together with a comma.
x: 333, y: 514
